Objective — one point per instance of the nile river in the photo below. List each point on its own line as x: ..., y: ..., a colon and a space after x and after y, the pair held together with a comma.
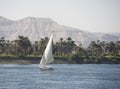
x: 65, y: 76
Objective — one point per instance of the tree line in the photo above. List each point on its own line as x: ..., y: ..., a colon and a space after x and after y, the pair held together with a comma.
x: 62, y: 48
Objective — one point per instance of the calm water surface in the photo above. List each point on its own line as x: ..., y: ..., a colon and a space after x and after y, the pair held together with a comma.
x: 65, y: 76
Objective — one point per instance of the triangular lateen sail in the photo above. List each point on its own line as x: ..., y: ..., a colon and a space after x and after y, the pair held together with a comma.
x: 47, y: 56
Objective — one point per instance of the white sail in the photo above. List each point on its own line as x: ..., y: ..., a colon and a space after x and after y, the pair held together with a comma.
x: 47, y: 56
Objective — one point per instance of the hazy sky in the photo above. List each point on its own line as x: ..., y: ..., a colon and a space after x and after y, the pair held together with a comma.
x: 89, y: 15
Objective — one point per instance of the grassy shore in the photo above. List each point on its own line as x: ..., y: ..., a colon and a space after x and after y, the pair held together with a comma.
x: 29, y: 60
x: 60, y: 60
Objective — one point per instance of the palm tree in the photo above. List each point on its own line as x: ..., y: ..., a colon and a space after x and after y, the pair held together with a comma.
x: 102, y: 44
x: 35, y: 47
x: 92, y: 47
x: 7, y: 48
x: 24, y: 43
x: 118, y: 47
x: 43, y: 44
x: 70, y: 44
x: 61, y: 46
x: 2, y: 45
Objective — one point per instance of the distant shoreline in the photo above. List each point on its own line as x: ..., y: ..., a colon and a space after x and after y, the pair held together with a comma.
x: 36, y: 60
x: 28, y: 60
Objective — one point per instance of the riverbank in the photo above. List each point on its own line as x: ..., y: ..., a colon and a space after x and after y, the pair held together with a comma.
x: 60, y: 60
x: 29, y: 60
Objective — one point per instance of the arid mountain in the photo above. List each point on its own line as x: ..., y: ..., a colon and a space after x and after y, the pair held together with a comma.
x: 36, y: 28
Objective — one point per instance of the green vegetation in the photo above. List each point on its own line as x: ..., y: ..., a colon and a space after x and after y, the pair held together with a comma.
x: 66, y: 50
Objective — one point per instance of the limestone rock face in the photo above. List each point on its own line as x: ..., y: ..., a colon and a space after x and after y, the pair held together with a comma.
x: 37, y: 28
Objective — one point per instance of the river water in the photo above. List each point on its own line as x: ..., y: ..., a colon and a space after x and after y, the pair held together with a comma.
x: 65, y: 76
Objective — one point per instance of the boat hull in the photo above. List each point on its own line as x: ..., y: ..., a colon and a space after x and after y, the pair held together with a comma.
x: 46, y: 69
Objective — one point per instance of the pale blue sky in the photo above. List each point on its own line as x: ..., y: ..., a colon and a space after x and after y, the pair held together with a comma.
x: 88, y: 15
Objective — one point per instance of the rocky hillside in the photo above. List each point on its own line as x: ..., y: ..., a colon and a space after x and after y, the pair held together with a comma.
x: 36, y: 28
